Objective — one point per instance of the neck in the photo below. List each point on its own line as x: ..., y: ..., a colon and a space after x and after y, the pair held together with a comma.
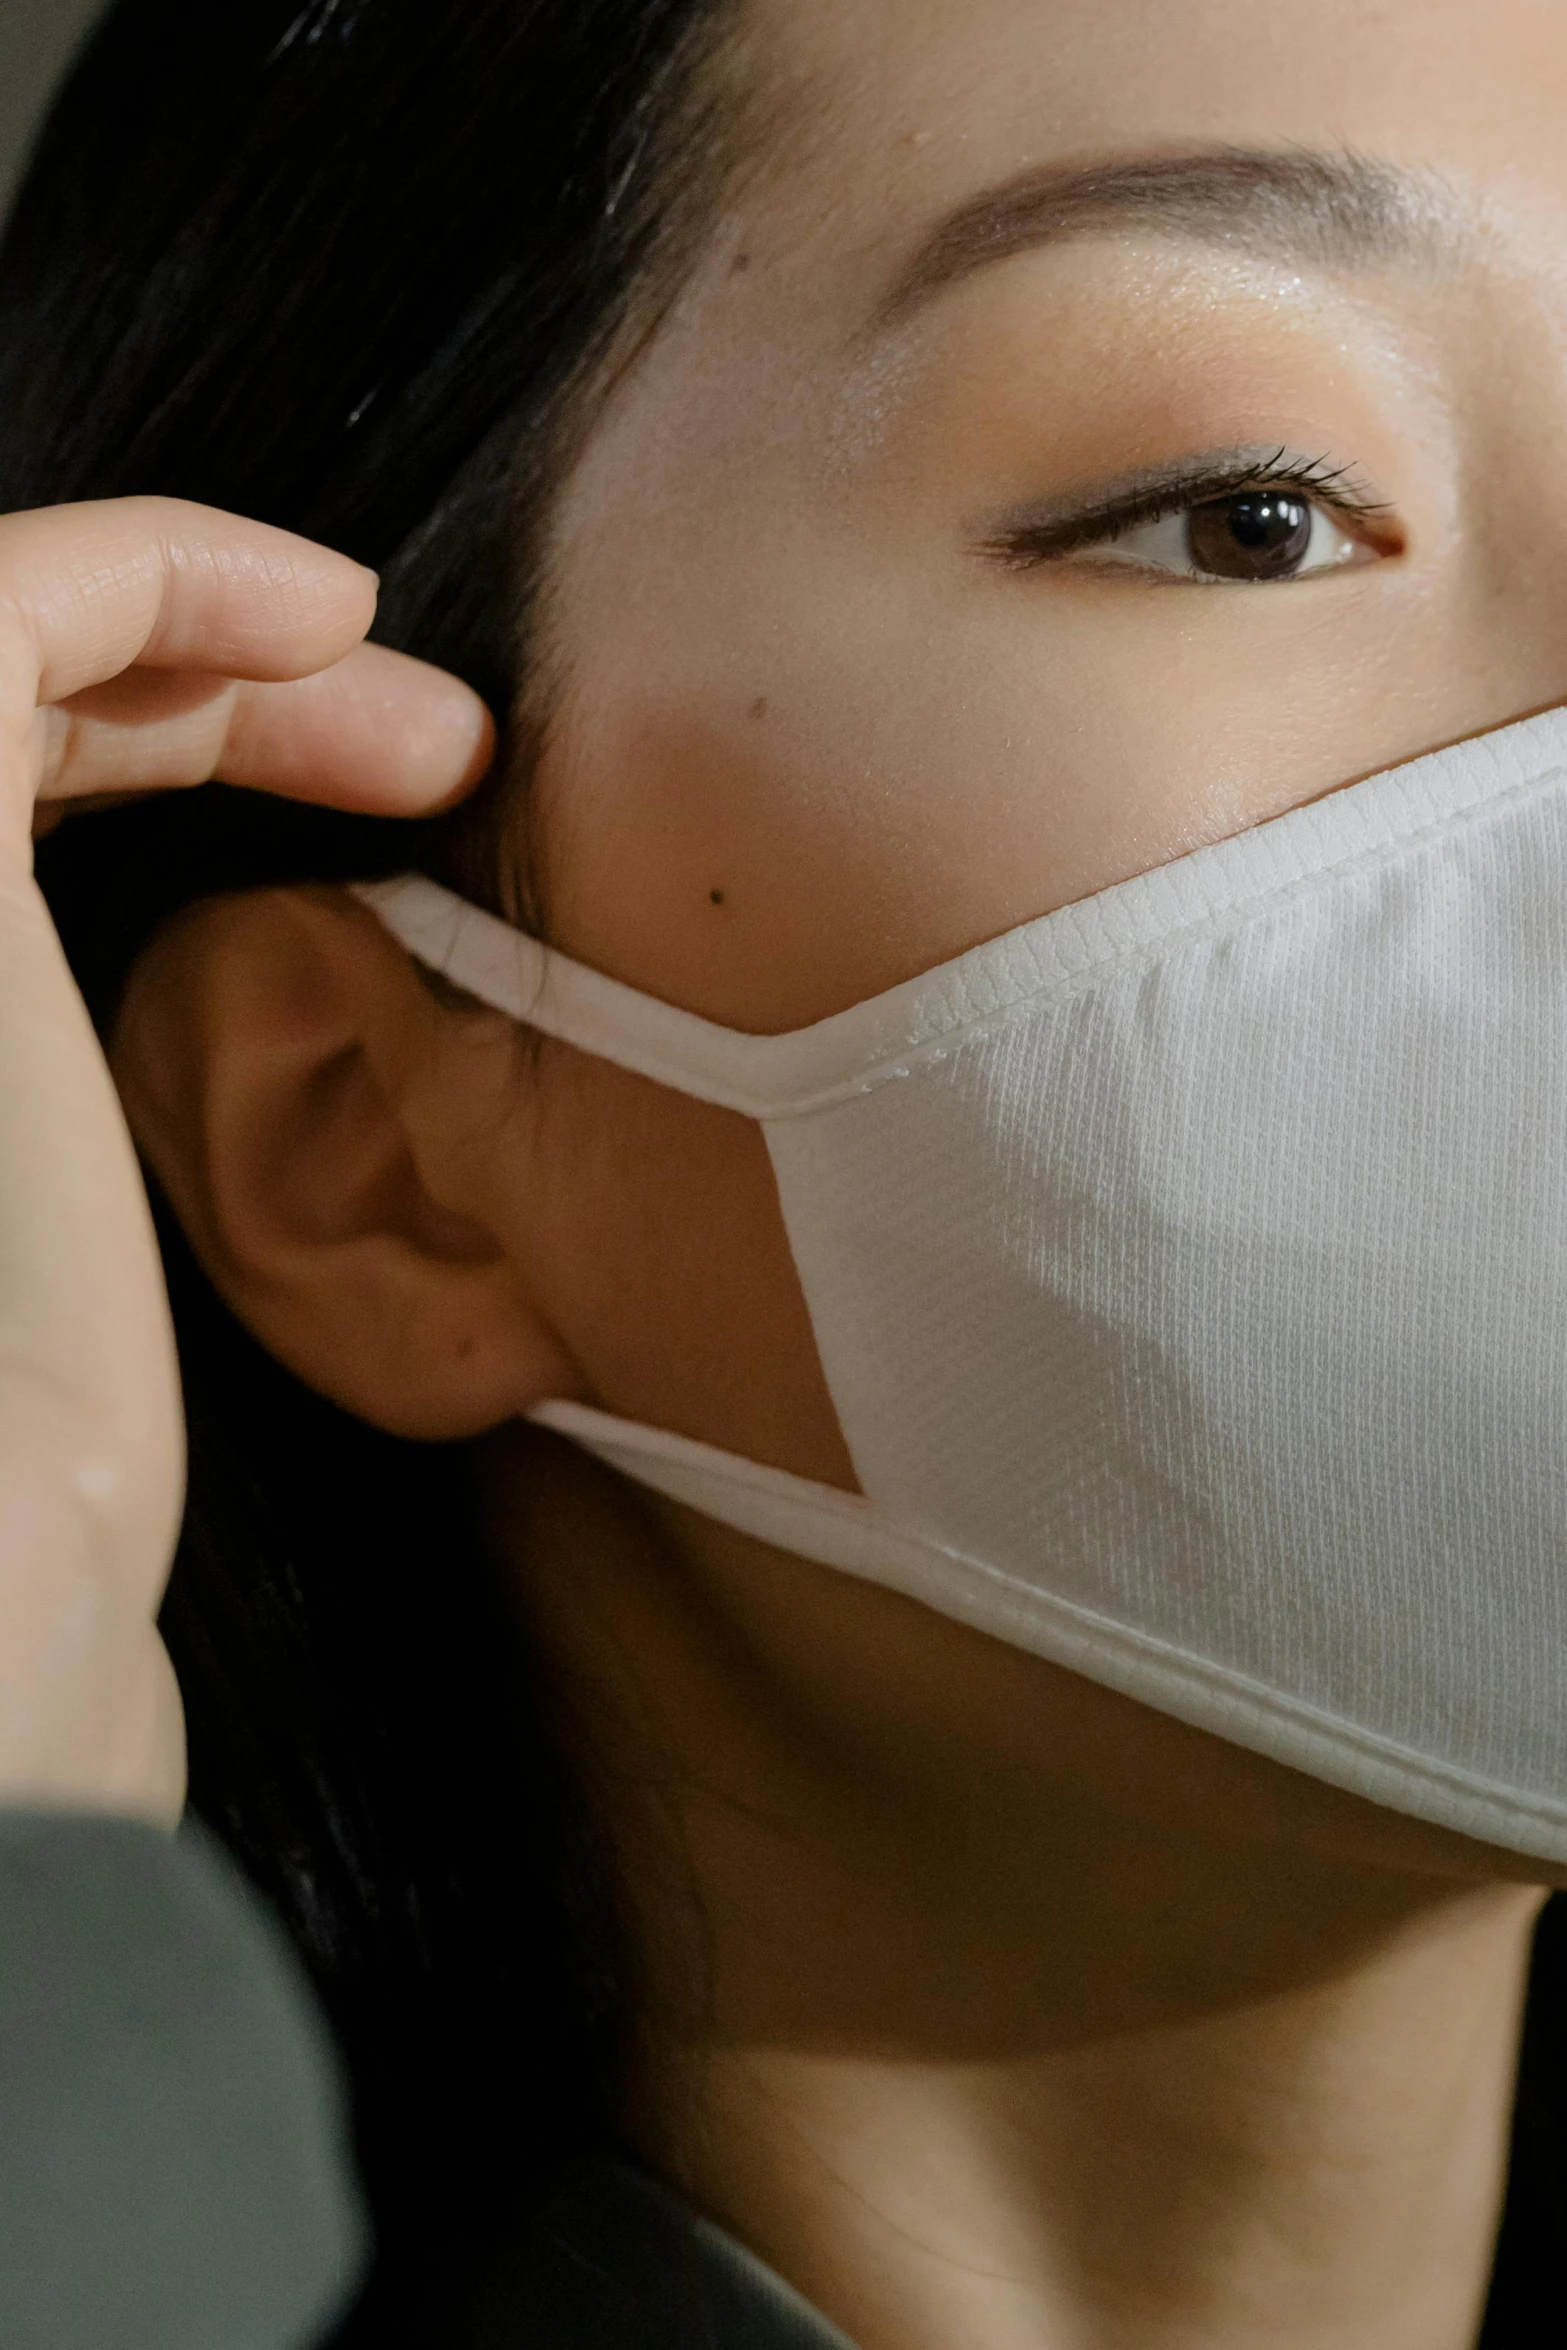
x: 1320, y: 2168
x: 1027, y: 2019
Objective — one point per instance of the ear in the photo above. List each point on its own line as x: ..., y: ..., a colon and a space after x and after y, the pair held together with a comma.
x: 303, y: 1097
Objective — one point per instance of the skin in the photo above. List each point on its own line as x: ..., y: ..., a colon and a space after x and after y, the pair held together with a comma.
x: 142, y: 643
x: 988, y: 2006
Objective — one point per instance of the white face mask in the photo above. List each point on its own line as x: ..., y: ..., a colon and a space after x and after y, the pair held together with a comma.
x: 1189, y: 1269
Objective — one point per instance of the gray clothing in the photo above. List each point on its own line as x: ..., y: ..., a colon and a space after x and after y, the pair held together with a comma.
x: 174, y: 2172
x: 613, y: 2261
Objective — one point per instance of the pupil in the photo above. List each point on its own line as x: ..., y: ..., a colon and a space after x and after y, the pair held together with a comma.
x: 1259, y: 534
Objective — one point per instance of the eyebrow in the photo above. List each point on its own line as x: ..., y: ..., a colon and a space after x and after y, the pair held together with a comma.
x: 1332, y: 210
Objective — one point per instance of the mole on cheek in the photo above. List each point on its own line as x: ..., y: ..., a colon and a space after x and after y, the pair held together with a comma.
x: 759, y: 706
x: 717, y: 896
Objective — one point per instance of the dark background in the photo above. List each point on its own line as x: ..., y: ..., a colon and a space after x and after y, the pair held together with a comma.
x: 36, y: 39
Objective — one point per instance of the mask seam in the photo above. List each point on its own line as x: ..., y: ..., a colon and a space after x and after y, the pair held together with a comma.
x: 1075, y: 1631
x: 1088, y: 1630
x: 1054, y: 990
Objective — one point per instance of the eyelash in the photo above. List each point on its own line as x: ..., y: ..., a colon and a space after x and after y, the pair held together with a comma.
x: 1023, y: 545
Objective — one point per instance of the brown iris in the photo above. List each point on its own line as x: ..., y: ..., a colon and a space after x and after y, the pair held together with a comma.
x: 1253, y: 534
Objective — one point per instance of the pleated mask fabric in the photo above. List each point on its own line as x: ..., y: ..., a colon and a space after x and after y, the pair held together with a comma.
x: 1189, y: 1270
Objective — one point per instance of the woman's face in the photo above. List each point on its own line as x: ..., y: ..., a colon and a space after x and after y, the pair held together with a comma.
x: 851, y: 677
x: 853, y: 680
x: 842, y: 701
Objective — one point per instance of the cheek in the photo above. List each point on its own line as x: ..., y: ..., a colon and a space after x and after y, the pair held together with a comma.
x: 882, y: 776
x: 655, y: 1248
x: 817, y: 745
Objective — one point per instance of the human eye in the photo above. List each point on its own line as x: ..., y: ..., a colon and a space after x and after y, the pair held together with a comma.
x: 1242, y: 519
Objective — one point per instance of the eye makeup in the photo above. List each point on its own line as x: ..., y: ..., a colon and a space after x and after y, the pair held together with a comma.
x: 1048, y: 530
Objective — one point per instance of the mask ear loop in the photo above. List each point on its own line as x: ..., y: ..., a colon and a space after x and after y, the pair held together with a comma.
x: 760, y: 1077
x: 810, y: 1521
x: 860, y: 1538
x: 777, y: 1077
x: 541, y: 988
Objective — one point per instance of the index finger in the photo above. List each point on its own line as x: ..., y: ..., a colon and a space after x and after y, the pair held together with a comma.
x: 89, y: 591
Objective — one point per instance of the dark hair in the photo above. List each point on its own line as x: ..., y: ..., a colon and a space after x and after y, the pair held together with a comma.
x: 356, y: 267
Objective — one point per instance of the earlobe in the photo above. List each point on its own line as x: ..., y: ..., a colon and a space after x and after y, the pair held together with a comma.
x: 296, y: 1090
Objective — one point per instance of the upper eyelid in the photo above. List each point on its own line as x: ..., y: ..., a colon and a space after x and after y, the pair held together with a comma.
x: 1062, y: 527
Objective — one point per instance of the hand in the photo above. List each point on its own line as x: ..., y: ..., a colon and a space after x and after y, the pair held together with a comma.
x: 143, y: 643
